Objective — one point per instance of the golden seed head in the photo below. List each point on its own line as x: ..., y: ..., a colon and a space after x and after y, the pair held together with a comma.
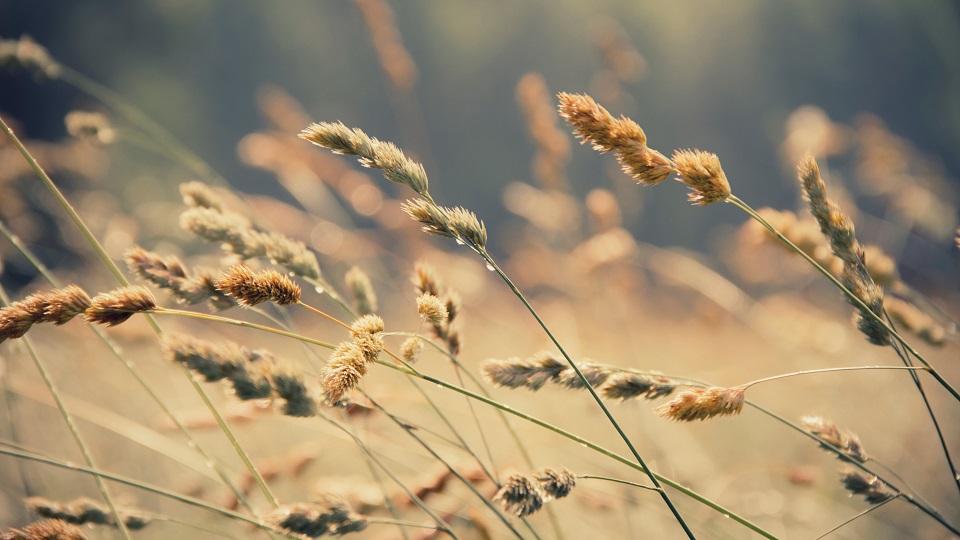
x: 834, y: 224
x: 47, y: 529
x: 410, y: 349
x: 703, y: 403
x: 90, y: 126
x: 250, y: 289
x: 65, y: 304
x: 702, y: 172
x: 339, y: 138
x: 114, y: 307
x: 371, y: 152
x: 431, y: 308
x: 532, y: 373
x: 519, y: 496
x: 595, y: 125
x: 456, y: 222
x: 368, y: 334
x: 647, y: 166
x: 343, y: 372
x: 621, y: 135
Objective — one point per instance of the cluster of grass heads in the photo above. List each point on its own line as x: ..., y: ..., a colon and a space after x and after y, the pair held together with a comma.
x: 388, y: 381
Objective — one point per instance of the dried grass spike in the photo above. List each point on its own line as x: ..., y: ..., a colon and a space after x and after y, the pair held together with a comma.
x: 702, y: 172
x: 624, y: 386
x: 114, y: 307
x: 859, y: 483
x: 62, y: 305
x: 343, y: 372
x: 17, y: 318
x: 250, y: 289
x: 328, y: 515
x: 47, y: 529
x: 410, y: 349
x: 516, y: 373
x: 432, y: 309
x: 703, y: 403
x: 289, y: 385
x: 519, y: 496
x: 557, y: 484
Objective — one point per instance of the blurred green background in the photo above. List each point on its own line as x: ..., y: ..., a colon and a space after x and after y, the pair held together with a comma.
x: 718, y: 76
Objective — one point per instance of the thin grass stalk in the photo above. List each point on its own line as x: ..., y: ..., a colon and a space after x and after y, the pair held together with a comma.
x: 29, y: 454
x: 74, y: 431
x: 75, y: 217
x: 858, y: 516
x: 914, y: 498
x: 521, y: 447
x: 924, y: 507
x: 499, y: 406
x: 653, y: 477
x: 830, y: 370
x: 163, y: 492
x: 686, y: 491
x: 453, y: 429
x: 421, y: 442
x: 383, y: 488
x: 132, y: 368
x: 853, y: 298
x: 905, y: 358
x: 444, y: 526
x: 615, y: 480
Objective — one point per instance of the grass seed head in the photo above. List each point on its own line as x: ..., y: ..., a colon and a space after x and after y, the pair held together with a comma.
x: 703, y: 403
x: 556, y: 484
x: 114, y: 307
x: 519, y: 496
x: 432, y: 309
x: 250, y: 289
x: 859, y: 483
x: 343, y: 372
x: 702, y: 172
x: 90, y: 126
x: 410, y: 349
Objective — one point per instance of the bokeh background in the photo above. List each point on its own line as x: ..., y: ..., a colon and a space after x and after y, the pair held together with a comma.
x: 872, y: 87
x: 721, y: 77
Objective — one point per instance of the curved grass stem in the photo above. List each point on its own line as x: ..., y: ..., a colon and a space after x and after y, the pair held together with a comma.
x: 653, y: 478
x: 115, y: 270
x: 734, y: 200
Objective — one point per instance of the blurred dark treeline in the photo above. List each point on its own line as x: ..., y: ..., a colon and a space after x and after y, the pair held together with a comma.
x: 719, y: 76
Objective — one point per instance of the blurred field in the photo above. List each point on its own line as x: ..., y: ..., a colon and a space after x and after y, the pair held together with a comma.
x: 624, y: 275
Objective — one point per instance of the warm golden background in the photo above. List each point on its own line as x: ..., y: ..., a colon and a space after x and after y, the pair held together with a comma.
x: 624, y: 275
